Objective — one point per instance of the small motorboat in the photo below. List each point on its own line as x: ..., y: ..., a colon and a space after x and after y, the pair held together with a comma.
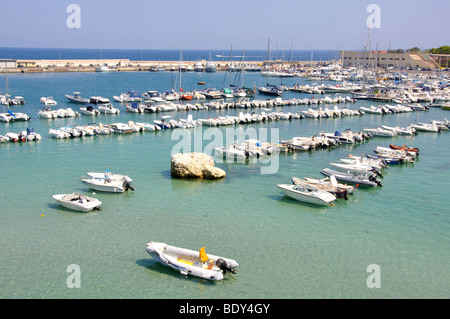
x: 381, y: 132
x: 191, y: 262
x: 108, y: 108
x: 357, y: 167
x: 330, y: 187
x: 76, y: 98
x: 201, y: 83
x: 405, y: 148
x: 424, y: 127
x: 308, y: 194
x: 78, y: 202
x: 89, y: 109
x: 358, y: 179
x: 48, y: 100
x: 109, y: 183
x: 135, y: 108
x: 121, y: 128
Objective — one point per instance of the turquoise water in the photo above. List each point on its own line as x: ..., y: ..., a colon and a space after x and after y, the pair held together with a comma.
x: 285, y: 249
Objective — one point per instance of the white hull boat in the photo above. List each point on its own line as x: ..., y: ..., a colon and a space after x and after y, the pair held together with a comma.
x: 78, y: 202
x: 191, y: 262
x: 400, y: 130
x: 307, y: 194
x: 330, y: 187
x: 380, y: 132
x: 424, y: 127
x: 331, y: 181
x: 48, y: 101
x: 356, y: 168
x: 76, y: 98
x: 358, y: 179
x: 109, y: 185
x: 89, y: 110
x: 108, y: 108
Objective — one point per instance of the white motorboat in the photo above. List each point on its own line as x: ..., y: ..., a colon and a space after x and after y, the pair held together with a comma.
x: 59, y: 134
x: 233, y: 152
x: 78, y: 202
x: 48, y: 100
x: 330, y: 187
x: 154, y: 96
x: 99, y: 100
x: 424, y: 127
x: 331, y: 181
x: 101, y: 129
x: 380, y: 132
x: 109, y: 185
x: 76, y: 98
x: 148, y: 126
x: 373, y: 110
x: 135, y: 108
x: 191, y: 262
x: 13, y: 117
x: 121, y: 128
x: 103, y: 68
x: 353, y: 178
x: 409, y: 130
x: 30, y: 135
x: 108, y: 108
x: 47, y: 113
x: 357, y: 168
x: 364, y: 160
x: 89, y: 110
x: 308, y: 194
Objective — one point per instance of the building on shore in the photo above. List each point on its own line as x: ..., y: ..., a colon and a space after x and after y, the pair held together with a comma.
x: 384, y: 59
x: 8, y: 63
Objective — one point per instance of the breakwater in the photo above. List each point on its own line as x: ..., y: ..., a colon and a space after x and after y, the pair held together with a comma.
x: 124, y: 65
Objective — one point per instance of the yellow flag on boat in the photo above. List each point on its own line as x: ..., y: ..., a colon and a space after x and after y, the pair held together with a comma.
x: 203, y: 256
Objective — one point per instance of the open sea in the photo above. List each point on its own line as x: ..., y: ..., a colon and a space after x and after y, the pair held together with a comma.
x: 285, y: 249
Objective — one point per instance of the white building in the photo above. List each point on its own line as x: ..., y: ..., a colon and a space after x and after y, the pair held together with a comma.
x: 8, y: 63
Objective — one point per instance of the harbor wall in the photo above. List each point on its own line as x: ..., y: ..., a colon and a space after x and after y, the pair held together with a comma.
x: 85, y: 65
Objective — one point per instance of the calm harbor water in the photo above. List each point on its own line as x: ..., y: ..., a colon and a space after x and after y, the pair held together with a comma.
x: 285, y: 249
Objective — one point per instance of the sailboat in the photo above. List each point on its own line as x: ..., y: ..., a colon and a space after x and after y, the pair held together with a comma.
x: 185, y: 96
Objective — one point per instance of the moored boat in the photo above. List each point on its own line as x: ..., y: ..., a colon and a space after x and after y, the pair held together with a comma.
x: 78, y: 202
x: 191, y: 262
x: 307, y: 193
x: 109, y: 185
x: 353, y: 178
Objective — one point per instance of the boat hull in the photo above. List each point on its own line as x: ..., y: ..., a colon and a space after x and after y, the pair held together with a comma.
x: 102, y: 186
x: 307, y: 198
x: 188, y: 262
x: 74, y: 202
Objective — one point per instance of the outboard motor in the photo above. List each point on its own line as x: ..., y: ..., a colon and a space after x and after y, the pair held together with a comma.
x: 222, y: 264
x: 127, y: 184
x: 377, y: 171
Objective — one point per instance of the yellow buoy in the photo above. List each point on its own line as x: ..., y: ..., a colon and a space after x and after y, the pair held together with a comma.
x: 42, y: 215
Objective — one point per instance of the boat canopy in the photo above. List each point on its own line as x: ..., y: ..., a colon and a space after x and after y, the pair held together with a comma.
x: 133, y: 94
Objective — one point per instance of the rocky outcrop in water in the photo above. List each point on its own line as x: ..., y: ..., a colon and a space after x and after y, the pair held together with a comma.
x: 195, y: 165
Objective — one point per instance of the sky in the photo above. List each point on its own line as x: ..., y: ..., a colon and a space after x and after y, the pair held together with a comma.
x: 213, y: 24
